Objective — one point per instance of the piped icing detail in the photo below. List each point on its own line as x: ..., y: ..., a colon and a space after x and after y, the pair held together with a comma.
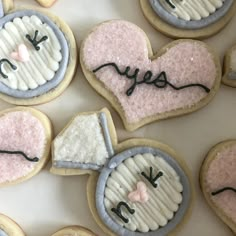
x: 163, y: 201
x: 20, y: 130
x: 21, y: 54
x: 140, y: 194
x: 125, y: 44
x: 192, y: 9
x: 220, y: 176
x: 43, y: 64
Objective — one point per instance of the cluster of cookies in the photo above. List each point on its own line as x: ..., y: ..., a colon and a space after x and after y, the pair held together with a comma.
x: 140, y: 186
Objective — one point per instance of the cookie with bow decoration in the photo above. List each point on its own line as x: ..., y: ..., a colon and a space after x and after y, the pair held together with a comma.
x: 38, y: 55
x: 138, y: 187
x: 118, y: 62
x: 25, y: 139
x: 188, y: 19
x: 9, y: 228
x: 229, y: 77
x: 218, y: 181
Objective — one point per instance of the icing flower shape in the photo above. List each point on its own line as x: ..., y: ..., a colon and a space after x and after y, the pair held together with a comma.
x: 188, y: 19
x: 136, y: 188
x: 139, y: 195
x: 118, y: 62
x: 39, y: 54
x: 218, y: 181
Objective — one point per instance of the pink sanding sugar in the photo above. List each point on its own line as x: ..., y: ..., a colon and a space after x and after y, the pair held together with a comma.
x: 222, y: 173
x: 19, y: 131
x: 125, y: 44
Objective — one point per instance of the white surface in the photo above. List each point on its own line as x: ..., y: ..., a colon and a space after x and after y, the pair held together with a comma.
x: 46, y: 202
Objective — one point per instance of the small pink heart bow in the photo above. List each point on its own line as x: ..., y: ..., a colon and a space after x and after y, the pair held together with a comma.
x: 139, y: 195
x: 22, y: 54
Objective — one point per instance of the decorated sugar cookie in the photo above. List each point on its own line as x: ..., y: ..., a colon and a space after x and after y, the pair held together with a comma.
x: 37, y: 56
x: 25, y: 139
x: 9, y: 228
x: 138, y: 187
x: 46, y: 3
x: 187, y: 18
x: 229, y: 77
x: 118, y: 62
x: 218, y: 181
x: 74, y: 231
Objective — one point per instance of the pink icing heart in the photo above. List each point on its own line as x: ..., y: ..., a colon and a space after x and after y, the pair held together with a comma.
x: 184, y: 62
x: 139, y: 195
x: 221, y: 175
x: 22, y: 54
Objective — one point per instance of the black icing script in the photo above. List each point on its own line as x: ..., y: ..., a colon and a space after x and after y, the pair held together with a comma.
x: 152, y: 179
x: 118, y: 212
x: 160, y: 81
x: 35, y: 159
x: 223, y: 190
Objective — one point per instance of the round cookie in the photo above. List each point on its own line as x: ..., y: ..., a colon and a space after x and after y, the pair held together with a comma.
x: 218, y: 181
x: 138, y: 187
x: 38, y: 56
x: 46, y: 3
x: 25, y: 139
x: 74, y: 231
x: 188, y: 19
x: 118, y: 62
x: 9, y: 228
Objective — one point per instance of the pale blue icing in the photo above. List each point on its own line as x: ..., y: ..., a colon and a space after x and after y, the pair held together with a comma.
x: 1, y: 13
x: 91, y: 166
x: 116, y: 161
x: 194, y: 24
x: 3, y: 233
x: 232, y: 75
x: 59, y: 75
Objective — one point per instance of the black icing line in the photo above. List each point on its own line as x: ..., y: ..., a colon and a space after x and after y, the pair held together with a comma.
x: 2, y: 61
x: 34, y: 40
x: 35, y: 159
x: 151, y: 178
x: 160, y: 81
x: 118, y: 212
x: 223, y: 190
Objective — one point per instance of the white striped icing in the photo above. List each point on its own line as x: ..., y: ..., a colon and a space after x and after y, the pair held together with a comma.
x: 164, y: 200
x: 192, y: 9
x: 42, y: 64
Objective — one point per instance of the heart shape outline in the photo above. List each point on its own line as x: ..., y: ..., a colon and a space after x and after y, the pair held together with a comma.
x: 140, y: 194
x: 205, y: 187
x: 22, y: 54
x: 99, y: 86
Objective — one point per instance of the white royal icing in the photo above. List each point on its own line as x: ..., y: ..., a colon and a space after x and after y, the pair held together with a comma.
x: 42, y: 64
x: 82, y: 142
x: 163, y: 201
x: 192, y: 9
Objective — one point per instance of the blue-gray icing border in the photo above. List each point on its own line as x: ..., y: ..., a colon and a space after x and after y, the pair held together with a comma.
x: 1, y: 13
x: 180, y: 23
x: 117, y: 160
x: 91, y: 166
x: 232, y: 75
x: 59, y: 75
x: 3, y: 233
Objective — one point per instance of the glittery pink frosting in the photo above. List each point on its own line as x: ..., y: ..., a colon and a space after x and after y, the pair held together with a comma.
x: 19, y: 131
x: 125, y: 44
x: 222, y: 173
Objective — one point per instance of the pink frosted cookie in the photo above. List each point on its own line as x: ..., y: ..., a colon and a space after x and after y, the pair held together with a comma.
x: 25, y: 138
x: 118, y: 62
x: 218, y: 181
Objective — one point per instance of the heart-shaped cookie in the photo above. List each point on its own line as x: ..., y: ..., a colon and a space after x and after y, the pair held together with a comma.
x: 25, y: 138
x: 38, y: 55
x: 188, y: 19
x: 229, y: 77
x: 118, y: 62
x: 218, y: 181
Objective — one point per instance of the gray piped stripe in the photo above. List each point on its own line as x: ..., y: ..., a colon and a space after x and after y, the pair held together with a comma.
x: 3, y: 233
x: 194, y: 24
x: 1, y: 15
x: 232, y: 75
x: 117, y: 160
x: 60, y: 73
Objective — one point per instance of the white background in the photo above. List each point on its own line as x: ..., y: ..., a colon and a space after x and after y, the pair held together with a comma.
x: 46, y: 203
